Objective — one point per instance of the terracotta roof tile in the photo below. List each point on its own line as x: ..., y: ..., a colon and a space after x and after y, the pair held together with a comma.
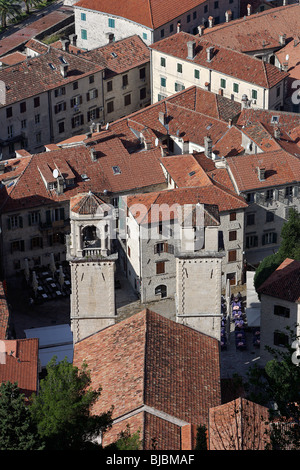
x: 21, y: 364
x: 280, y: 168
x: 121, y: 55
x: 268, y: 25
x: 36, y: 75
x: 135, y: 171
x: 150, y: 13
x: 158, y: 363
x: 225, y: 60
x: 284, y: 282
x: 238, y: 425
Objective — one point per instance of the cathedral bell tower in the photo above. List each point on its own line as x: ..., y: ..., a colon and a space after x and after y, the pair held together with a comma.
x: 89, y: 252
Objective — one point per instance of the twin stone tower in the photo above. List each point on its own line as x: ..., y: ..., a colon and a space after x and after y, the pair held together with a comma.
x: 92, y: 253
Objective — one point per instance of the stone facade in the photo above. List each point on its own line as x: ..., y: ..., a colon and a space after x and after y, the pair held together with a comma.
x: 198, y: 292
x: 271, y: 324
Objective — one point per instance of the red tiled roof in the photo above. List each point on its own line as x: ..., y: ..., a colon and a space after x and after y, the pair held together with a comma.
x: 286, y: 121
x: 185, y: 171
x: 159, y: 364
x: 268, y: 25
x: 213, y: 195
x: 21, y: 364
x: 137, y: 171
x: 86, y: 203
x: 238, y: 425
x: 14, y: 58
x: 37, y: 46
x: 121, y: 55
x: 150, y: 13
x: 35, y: 75
x: 228, y: 61
x: 280, y: 168
x: 43, y: 24
x: 284, y: 282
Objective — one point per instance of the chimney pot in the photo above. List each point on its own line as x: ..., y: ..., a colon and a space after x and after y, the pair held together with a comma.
x: 228, y: 15
x: 282, y: 38
x: 208, y: 146
x: 201, y: 29
x: 209, y: 53
x: 277, y: 133
x: 249, y: 9
x: 178, y: 27
x: 210, y: 21
x: 261, y: 173
x: 191, y: 45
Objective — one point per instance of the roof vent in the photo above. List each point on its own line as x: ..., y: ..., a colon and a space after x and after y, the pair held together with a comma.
x: 191, y: 46
x: 209, y: 53
x: 261, y: 173
x: 208, y: 146
x: 93, y: 154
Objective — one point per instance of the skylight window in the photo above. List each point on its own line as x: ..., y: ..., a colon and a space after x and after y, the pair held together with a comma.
x: 274, y: 119
x: 51, y: 66
x: 116, y: 170
x: 114, y: 54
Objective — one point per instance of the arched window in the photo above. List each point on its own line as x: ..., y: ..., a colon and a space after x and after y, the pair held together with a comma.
x: 161, y: 290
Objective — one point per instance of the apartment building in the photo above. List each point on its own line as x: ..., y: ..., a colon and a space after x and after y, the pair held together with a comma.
x: 47, y: 98
x: 269, y: 181
x: 183, y: 60
x: 280, y: 296
x: 97, y: 24
x: 35, y: 207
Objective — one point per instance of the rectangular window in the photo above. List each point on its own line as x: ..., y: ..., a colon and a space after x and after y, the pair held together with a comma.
x: 59, y: 91
x: 179, y: 68
x: 162, y: 62
x: 142, y: 93
x: 38, y: 137
x: 23, y: 107
x: 36, y: 242
x: 216, y: 5
x: 17, y: 245
x: 278, y: 91
x: 91, y: 79
x: 92, y: 94
x: 288, y: 191
x: 223, y: 83
x: 231, y: 256
x: 281, y: 311
x: 77, y: 120
x: 83, y: 16
x: 36, y: 102
x: 250, y: 198
x: 160, y: 97
x: 110, y: 107
x: 197, y: 74
x: 254, y: 94
x: 109, y: 86
x: 160, y: 267
x: 75, y: 85
x: 171, y: 28
x: 111, y: 22
x: 142, y: 73
x: 15, y: 221
x: 10, y: 131
x: 269, y: 216
x: 124, y: 81
x: 232, y: 235
x: 251, y: 241
x: 250, y: 220
x: 236, y: 87
x: 145, y: 36
x: 23, y: 124
x: 9, y: 112
x: 179, y: 87
x: 163, y: 82
x: 127, y: 100
x: 59, y: 107
x: 269, y: 238
x: 280, y: 339
x: 188, y: 18
x: 84, y: 34
x: 205, y: 8
x: 194, y: 15
x: 162, y: 33
x: 269, y: 194
x: 232, y: 216
x: 93, y: 114
x: 61, y: 127
x: 37, y: 118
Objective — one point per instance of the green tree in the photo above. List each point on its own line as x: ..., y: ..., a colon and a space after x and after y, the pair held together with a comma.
x: 29, y: 3
x: 62, y: 408
x: 126, y: 441
x: 17, y: 429
x: 8, y: 9
x: 289, y: 248
x: 279, y: 383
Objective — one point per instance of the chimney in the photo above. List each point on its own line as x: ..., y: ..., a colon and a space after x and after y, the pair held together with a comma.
x: 191, y: 46
x: 60, y: 185
x: 261, y: 173
x: 73, y: 39
x: 98, y: 127
x: 229, y: 122
x: 249, y: 9
x: 282, y: 38
x: 201, y: 29
x: 162, y: 118
x: 210, y: 21
x: 65, y: 43
x: 277, y: 133
x: 178, y: 27
x: 64, y: 70
x: 245, y: 102
x: 93, y: 154
x: 208, y: 146
x: 209, y: 53
x: 228, y: 15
